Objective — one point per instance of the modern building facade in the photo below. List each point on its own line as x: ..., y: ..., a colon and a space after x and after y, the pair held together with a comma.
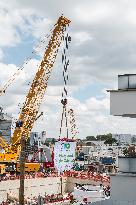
x: 5, y: 126
x: 123, y: 100
x: 124, y: 138
x: 123, y: 184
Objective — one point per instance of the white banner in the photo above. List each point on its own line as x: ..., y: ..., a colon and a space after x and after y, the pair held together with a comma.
x: 64, y: 155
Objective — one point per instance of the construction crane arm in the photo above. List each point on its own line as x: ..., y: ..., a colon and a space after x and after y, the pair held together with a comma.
x: 39, y: 84
x: 3, y: 144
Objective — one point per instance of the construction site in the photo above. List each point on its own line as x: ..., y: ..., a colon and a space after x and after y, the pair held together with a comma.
x: 32, y: 172
x: 58, y: 142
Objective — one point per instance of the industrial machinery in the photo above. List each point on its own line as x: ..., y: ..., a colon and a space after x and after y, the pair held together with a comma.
x: 2, y: 169
x: 35, y: 95
x: 29, y: 167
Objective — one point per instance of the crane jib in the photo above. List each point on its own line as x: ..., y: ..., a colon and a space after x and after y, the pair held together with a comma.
x: 36, y: 92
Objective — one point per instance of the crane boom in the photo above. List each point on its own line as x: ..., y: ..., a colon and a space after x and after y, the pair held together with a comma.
x: 39, y: 84
x: 3, y: 144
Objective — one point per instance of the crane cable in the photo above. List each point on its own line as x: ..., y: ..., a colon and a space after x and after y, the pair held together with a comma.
x: 33, y: 53
x: 65, y: 62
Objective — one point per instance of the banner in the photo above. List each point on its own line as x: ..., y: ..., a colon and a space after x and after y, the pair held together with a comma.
x: 64, y: 155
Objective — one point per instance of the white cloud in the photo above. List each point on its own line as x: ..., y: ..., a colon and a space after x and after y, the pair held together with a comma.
x: 8, y: 21
x: 6, y: 72
x: 103, y: 46
x: 82, y: 37
x: 95, y: 12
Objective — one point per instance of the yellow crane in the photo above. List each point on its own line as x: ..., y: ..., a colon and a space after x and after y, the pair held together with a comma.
x: 35, y: 95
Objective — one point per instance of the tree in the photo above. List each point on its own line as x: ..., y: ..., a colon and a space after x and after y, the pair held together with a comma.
x: 90, y: 138
x: 104, y: 137
x: 125, y: 151
x: 53, y: 141
x: 130, y: 151
x: 110, y: 141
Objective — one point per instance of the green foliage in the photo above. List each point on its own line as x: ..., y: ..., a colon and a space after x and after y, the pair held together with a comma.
x: 104, y: 137
x: 53, y: 141
x: 90, y: 138
x: 107, y: 138
x: 110, y: 141
x: 125, y: 151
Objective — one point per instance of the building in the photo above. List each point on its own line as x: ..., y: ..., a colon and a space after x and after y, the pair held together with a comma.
x: 123, y: 100
x: 33, y: 138
x: 124, y: 138
x: 123, y: 184
x: 5, y: 126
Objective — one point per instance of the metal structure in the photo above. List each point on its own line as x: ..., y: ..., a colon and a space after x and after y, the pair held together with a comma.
x: 64, y: 100
x: 35, y: 95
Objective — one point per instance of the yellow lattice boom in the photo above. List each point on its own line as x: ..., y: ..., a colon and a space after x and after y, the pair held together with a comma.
x: 37, y: 90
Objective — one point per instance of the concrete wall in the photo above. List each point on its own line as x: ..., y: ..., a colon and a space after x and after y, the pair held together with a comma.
x: 123, y: 103
x: 123, y: 187
x: 127, y: 164
x: 71, y: 183
x: 122, y: 190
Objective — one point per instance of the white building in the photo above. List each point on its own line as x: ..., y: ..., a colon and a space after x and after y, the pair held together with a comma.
x: 124, y: 138
x: 123, y: 100
x: 123, y: 103
x: 5, y: 126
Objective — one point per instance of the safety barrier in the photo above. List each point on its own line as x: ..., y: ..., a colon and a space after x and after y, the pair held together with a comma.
x: 87, y: 175
x: 74, y: 174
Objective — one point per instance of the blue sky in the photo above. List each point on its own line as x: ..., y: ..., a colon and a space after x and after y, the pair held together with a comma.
x: 91, y: 90
x: 19, y: 53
